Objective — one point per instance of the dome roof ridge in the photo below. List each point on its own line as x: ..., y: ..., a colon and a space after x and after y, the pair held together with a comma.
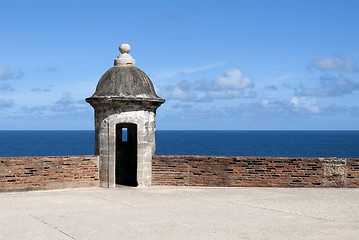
x: 125, y: 82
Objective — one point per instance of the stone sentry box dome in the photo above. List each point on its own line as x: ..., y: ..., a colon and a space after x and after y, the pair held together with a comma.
x: 125, y: 104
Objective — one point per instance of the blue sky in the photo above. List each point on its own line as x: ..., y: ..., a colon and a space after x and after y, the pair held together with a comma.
x: 246, y: 65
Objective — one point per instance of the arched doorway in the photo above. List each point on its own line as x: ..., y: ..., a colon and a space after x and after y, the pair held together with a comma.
x: 126, y: 154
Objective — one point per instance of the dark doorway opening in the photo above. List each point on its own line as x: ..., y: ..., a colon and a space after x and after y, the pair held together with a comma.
x: 126, y: 154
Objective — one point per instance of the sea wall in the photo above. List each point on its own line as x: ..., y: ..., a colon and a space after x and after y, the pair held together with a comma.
x: 38, y: 173
x: 223, y: 171
x: 56, y: 172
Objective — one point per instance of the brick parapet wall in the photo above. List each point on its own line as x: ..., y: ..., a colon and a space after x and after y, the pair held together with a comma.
x: 55, y: 172
x: 37, y: 173
x: 225, y: 171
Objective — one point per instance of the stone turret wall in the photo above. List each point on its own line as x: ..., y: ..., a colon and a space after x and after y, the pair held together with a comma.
x: 125, y: 95
x: 106, y: 121
x: 39, y: 173
x: 222, y: 171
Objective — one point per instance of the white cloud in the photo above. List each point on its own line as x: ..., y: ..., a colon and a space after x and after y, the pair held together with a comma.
x: 337, y: 62
x: 265, y: 103
x: 304, y: 104
x: 229, y: 85
x: 6, y: 87
x: 331, y: 86
x: 64, y: 108
x: 225, y: 94
x: 224, y: 86
x: 65, y: 104
x: 40, y: 90
x: 50, y: 69
x: 34, y: 109
x: 6, y: 74
x: 251, y: 94
x: 271, y: 87
x: 180, y: 91
x: 169, y: 73
x: 6, y: 103
x: 233, y: 79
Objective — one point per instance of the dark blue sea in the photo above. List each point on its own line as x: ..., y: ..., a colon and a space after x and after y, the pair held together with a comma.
x: 227, y: 143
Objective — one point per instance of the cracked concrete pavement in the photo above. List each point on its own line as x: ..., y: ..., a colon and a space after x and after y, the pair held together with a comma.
x: 181, y: 213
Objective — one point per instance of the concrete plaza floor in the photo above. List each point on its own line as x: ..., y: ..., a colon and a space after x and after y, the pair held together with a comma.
x: 181, y: 213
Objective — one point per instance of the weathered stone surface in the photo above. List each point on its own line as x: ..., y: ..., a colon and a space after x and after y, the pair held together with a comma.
x: 334, y: 171
x: 124, y: 95
x: 125, y: 82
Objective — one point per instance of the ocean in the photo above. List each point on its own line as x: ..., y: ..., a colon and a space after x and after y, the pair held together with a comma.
x: 226, y: 143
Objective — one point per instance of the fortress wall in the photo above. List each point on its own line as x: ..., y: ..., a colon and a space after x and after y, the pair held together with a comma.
x: 56, y: 172
x: 38, y: 173
x: 222, y: 171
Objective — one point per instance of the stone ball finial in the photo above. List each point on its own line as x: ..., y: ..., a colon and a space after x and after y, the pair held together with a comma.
x: 125, y: 48
x: 124, y: 59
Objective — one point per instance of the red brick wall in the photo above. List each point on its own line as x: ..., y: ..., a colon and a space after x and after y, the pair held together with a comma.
x: 34, y: 173
x: 254, y: 171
